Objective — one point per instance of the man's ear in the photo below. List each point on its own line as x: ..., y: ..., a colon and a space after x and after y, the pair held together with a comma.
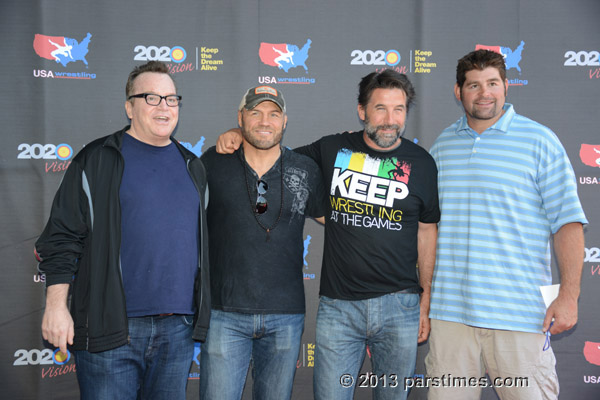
x: 457, y: 92
x: 361, y: 112
x: 129, y: 109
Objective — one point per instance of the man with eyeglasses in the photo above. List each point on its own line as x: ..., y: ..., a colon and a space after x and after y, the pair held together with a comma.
x: 259, y: 198
x: 126, y: 239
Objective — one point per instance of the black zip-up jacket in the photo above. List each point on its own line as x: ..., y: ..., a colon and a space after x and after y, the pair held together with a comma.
x: 82, y: 239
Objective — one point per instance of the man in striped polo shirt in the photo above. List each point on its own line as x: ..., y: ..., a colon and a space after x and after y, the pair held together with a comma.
x: 506, y: 187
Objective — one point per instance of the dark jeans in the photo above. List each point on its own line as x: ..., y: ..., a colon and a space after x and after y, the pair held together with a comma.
x: 154, y: 365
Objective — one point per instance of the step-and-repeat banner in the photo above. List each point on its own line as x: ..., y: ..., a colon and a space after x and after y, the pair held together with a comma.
x: 63, y: 74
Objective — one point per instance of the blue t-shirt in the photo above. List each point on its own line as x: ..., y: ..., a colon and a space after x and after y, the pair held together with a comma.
x: 159, y: 230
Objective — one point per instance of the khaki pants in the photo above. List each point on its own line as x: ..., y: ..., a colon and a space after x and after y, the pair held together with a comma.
x: 460, y: 355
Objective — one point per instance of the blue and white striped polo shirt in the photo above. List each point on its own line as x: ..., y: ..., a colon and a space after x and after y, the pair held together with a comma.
x: 502, y: 193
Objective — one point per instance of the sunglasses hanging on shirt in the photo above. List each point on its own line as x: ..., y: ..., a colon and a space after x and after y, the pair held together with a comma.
x: 261, y: 202
x: 260, y: 206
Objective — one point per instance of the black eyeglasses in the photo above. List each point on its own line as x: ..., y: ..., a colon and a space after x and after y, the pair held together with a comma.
x: 171, y: 100
x: 261, y: 202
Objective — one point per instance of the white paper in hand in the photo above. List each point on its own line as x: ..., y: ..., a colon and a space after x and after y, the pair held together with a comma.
x: 549, y: 293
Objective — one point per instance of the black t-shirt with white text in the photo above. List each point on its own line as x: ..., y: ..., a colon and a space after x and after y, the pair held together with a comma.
x: 375, y: 201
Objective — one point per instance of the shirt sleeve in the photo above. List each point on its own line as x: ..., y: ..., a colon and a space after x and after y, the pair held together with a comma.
x: 312, y: 150
x: 558, y: 189
x: 62, y: 242
x: 430, y: 213
x: 316, y: 201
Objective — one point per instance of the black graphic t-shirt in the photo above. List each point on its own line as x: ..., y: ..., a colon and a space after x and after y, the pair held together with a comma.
x: 250, y: 274
x: 375, y: 201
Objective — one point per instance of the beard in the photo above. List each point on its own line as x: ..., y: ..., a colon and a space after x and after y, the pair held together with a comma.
x: 384, y: 140
x: 262, y: 144
x: 476, y: 113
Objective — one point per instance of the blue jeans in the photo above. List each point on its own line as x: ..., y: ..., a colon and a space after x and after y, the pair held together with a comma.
x: 389, y: 325
x: 269, y: 342
x: 154, y: 365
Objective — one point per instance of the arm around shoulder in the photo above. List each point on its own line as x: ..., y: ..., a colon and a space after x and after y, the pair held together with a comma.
x: 228, y: 142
